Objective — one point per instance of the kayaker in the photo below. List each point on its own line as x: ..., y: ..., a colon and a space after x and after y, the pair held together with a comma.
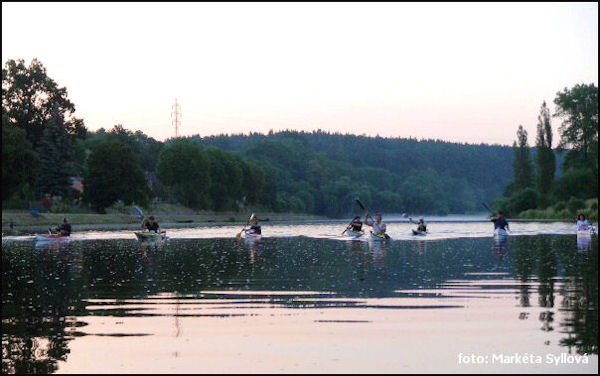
x: 499, y: 221
x: 356, y: 224
x: 150, y: 224
x: 254, y: 226
x: 582, y: 223
x: 378, y: 226
x: 421, y: 225
x: 64, y: 228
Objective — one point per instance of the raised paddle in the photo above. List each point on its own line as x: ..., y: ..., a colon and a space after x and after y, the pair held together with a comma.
x: 238, y: 236
x: 359, y: 203
x: 487, y: 207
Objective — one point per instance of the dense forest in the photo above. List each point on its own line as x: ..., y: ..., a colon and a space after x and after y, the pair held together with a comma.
x: 45, y: 148
x: 320, y: 172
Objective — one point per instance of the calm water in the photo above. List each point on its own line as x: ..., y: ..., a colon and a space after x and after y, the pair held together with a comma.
x: 301, y: 304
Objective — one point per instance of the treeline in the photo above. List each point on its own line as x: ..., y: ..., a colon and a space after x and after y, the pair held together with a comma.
x: 45, y: 146
x: 320, y: 172
x: 535, y: 190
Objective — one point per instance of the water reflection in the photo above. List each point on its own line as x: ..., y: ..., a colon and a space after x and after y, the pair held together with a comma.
x: 50, y: 292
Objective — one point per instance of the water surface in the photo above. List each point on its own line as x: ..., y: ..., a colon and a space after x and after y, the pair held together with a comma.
x: 314, y: 303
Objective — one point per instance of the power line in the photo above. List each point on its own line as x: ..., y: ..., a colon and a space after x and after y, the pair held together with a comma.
x: 176, y: 117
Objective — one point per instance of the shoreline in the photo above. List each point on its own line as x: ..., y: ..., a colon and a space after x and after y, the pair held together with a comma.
x: 24, y: 223
x: 31, y: 229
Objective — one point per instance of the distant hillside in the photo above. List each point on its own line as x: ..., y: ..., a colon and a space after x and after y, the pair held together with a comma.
x: 322, y: 173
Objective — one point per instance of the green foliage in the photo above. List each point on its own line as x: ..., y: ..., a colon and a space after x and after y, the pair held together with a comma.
x: 52, y: 175
x: 322, y: 173
x: 545, y: 161
x: 29, y: 97
x: 519, y: 202
x: 575, y: 204
x: 522, y: 167
x: 185, y: 169
x: 580, y: 183
x: 113, y: 174
x: 578, y: 109
x: 18, y: 159
x: 61, y: 207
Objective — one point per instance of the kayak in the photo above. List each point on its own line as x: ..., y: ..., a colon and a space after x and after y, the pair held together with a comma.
x: 584, y: 233
x: 500, y: 232
x: 251, y: 235
x: 377, y: 237
x: 354, y: 234
x: 149, y: 236
x: 51, y: 237
x: 419, y: 232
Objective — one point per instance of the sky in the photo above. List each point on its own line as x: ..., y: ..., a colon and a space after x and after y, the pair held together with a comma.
x: 460, y: 72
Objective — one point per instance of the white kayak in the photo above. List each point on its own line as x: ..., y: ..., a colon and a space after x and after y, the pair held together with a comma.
x: 252, y: 235
x: 419, y: 232
x: 378, y: 237
x: 354, y: 234
x: 150, y: 236
x: 51, y: 237
x: 584, y: 233
x: 500, y: 232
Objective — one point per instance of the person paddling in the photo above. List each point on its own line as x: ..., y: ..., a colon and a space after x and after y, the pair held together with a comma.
x: 500, y: 222
x: 379, y: 227
x: 355, y: 225
x: 421, y: 226
x: 582, y: 223
x: 64, y: 228
x: 254, y: 226
x: 150, y: 225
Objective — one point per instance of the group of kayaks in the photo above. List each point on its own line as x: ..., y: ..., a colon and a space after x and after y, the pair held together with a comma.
x: 140, y: 235
x: 253, y: 235
x: 372, y: 235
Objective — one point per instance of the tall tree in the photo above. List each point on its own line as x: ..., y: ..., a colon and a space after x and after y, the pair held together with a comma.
x: 545, y: 160
x: 29, y: 97
x: 114, y: 174
x: 578, y: 109
x: 522, y: 166
x: 18, y: 159
x: 55, y: 153
x: 184, y: 168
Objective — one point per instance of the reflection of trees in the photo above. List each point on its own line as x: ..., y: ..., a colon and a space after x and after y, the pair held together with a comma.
x: 524, y: 265
x: 39, y: 292
x: 546, y: 256
x: 580, y: 301
x: 580, y: 287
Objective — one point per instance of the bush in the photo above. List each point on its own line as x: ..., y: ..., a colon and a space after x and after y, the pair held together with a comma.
x: 559, y: 206
x: 574, y: 205
x: 61, y: 207
x: 579, y: 183
x: 521, y: 201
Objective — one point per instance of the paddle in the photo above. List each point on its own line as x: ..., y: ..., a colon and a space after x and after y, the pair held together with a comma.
x: 238, y: 236
x: 487, y: 207
x: 348, y: 227
x: 359, y: 203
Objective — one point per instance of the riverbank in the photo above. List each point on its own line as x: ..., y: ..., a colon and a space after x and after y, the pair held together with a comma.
x: 23, y: 223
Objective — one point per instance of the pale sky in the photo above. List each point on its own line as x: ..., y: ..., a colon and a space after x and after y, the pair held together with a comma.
x: 461, y: 72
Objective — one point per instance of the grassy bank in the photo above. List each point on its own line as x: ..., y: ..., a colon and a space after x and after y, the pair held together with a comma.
x: 565, y: 209
x: 24, y: 223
